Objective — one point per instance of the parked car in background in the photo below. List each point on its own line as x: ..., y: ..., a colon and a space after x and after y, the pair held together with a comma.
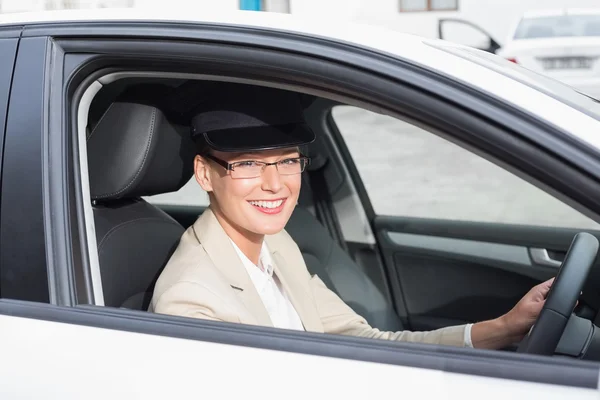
x: 562, y: 43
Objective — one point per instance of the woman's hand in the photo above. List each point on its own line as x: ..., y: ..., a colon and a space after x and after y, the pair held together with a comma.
x: 514, y: 325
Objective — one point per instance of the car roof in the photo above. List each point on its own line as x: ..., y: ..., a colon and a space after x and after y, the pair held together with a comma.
x: 393, y: 42
x: 189, y: 14
x: 432, y: 54
x: 556, y: 12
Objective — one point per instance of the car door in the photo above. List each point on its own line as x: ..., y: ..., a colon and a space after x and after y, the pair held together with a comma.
x: 78, y: 337
x: 466, y: 33
x: 462, y: 239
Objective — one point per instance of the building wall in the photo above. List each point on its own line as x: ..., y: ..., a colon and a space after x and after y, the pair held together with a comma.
x: 194, y: 5
x: 10, y: 6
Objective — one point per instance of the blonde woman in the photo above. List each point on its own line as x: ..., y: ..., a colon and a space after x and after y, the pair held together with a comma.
x: 237, y: 264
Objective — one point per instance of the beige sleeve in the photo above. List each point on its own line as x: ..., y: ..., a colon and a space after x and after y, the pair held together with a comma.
x: 190, y: 299
x: 338, y: 318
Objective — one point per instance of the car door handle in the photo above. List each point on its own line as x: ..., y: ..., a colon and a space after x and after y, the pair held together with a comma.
x: 541, y: 257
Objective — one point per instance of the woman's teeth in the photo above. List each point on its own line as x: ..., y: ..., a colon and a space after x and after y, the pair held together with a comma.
x: 267, y: 204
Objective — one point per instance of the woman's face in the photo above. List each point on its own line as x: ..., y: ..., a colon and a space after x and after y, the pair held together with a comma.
x: 258, y: 206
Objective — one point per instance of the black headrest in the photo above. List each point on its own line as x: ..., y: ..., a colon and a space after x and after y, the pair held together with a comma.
x: 135, y: 151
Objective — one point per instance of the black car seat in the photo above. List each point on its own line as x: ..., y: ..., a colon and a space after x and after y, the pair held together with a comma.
x: 325, y: 258
x: 135, y: 151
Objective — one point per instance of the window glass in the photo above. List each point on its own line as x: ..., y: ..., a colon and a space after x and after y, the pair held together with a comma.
x: 282, y: 6
x: 444, y: 4
x: 189, y: 195
x: 410, y: 172
x: 558, y: 26
x: 428, y: 5
x: 413, y: 5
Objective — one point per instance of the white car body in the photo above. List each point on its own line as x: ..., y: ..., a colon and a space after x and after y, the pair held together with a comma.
x: 63, y: 360
x: 569, y: 53
x: 46, y: 360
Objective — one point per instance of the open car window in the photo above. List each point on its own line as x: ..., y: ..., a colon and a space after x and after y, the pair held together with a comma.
x: 411, y: 172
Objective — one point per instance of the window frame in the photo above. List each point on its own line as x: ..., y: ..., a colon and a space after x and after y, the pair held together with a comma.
x: 428, y: 8
x: 469, y: 98
x: 22, y: 232
x: 8, y: 47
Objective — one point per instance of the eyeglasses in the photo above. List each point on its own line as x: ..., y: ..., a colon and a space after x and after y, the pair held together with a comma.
x: 254, y: 169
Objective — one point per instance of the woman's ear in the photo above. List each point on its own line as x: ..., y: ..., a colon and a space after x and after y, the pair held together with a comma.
x: 202, y: 173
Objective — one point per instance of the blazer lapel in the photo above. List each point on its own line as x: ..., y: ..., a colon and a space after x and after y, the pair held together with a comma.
x: 217, y: 245
x: 298, y: 293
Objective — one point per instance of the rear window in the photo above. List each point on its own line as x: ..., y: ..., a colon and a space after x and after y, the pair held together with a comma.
x: 558, y: 26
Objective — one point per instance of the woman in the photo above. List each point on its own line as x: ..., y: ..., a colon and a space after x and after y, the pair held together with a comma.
x: 237, y: 263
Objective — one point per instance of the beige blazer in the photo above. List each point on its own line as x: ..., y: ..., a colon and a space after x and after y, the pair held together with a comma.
x: 206, y: 279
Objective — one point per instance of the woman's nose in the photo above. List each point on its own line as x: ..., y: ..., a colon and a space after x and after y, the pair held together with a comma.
x: 271, y: 179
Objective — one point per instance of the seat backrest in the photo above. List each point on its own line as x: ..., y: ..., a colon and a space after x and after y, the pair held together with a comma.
x: 135, y: 151
x: 325, y: 258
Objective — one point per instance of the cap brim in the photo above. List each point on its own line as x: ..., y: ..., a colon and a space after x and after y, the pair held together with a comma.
x: 259, y: 138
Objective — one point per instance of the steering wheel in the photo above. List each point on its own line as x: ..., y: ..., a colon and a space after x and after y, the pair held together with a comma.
x: 562, y: 297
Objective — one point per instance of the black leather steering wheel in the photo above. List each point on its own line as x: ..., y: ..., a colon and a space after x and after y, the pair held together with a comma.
x: 562, y: 298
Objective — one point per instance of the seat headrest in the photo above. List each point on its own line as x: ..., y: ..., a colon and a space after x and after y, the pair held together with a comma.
x: 135, y: 151
x: 315, y: 151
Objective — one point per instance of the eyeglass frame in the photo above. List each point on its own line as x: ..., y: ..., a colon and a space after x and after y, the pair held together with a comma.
x: 230, y: 166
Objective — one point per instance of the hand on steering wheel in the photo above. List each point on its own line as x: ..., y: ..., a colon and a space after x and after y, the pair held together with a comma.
x: 562, y: 298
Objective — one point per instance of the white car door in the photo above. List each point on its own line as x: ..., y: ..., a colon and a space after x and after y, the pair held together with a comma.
x: 72, y: 354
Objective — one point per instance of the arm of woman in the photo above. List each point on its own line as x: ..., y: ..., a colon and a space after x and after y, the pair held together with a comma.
x: 192, y: 299
x: 339, y: 318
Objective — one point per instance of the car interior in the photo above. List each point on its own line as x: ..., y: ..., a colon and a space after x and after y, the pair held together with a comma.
x: 397, y: 272
x: 139, y: 145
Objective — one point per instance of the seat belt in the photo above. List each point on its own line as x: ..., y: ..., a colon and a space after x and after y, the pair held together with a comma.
x: 324, y: 210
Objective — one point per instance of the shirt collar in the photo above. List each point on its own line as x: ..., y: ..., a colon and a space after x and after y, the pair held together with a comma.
x: 265, y: 263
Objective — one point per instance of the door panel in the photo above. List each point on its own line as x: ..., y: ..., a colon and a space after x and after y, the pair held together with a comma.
x: 57, y: 342
x: 448, y: 272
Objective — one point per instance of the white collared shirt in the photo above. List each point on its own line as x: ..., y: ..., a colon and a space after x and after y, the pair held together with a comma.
x: 278, y: 305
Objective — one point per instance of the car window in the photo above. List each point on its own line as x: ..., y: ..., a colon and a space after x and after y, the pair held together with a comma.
x: 191, y: 194
x: 558, y: 26
x: 410, y: 172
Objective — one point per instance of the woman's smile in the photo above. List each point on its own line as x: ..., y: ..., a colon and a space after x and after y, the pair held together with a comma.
x: 268, y: 206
